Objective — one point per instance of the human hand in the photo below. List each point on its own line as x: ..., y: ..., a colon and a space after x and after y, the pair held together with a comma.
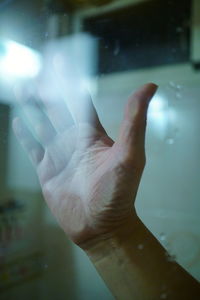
x: 89, y: 181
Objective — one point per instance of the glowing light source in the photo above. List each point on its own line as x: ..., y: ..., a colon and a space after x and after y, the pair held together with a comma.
x: 17, y: 60
x: 158, y: 115
x: 158, y: 105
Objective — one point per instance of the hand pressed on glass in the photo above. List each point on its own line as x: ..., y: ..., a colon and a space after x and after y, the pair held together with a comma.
x: 90, y: 183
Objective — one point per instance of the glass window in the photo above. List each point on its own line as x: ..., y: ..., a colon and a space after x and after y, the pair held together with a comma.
x: 53, y: 54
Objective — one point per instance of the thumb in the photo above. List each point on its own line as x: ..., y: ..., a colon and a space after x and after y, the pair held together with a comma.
x: 131, y: 138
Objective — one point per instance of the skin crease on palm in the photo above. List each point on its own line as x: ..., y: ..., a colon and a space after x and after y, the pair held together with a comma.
x: 89, y: 181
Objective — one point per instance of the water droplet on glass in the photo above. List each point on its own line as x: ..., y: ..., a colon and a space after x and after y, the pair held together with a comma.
x: 162, y: 236
x: 176, y: 88
x: 172, y: 84
x: 178, y: 95
x: 163, y: 296
x: 140, y: 246
x: 170, y: 141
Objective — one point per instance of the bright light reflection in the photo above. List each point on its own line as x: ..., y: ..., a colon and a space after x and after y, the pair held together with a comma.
x: 158, y: 115
x: 157, y: 106
x: 17, y: 60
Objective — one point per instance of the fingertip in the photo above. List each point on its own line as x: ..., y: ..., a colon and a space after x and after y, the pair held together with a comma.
x: 152, y: 84
x: 147, y: 90
x: 139, y: 100
x: 152, y: 87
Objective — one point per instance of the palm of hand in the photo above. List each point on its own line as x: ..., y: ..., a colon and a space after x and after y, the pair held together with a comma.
x: 88, y: 181
x: 81, y: 185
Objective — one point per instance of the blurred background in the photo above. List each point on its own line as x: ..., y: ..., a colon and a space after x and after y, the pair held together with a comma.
x: 118, y: 45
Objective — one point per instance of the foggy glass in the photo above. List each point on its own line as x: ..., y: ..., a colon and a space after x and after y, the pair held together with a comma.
x: 63, y: 50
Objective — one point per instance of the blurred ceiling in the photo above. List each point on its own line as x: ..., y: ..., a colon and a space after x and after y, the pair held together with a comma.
x: 25, y: 21
x: 61, y: 6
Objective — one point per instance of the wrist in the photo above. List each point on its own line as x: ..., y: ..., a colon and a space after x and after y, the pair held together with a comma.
x: 118, y: 238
